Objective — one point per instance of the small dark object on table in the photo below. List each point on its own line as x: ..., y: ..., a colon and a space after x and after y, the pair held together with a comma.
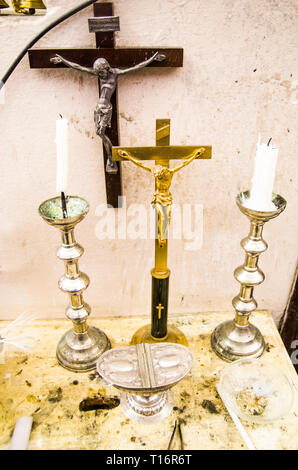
x: 99, y: 403
x: 208, y: 405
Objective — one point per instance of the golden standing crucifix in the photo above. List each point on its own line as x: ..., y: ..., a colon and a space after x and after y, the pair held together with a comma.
x: 162, y: 198
x: 162, y: 153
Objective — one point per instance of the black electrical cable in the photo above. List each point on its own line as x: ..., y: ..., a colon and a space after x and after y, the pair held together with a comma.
x: 40, y: 35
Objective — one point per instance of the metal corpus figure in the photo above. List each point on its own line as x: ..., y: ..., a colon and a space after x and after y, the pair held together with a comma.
x: 108, y: 77
x: 162, y: 198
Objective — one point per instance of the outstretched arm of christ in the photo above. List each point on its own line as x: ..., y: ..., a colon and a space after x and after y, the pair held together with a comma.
x: 157, y: 56
x: 128, y: 156
x: 58, y: 59
x: 188, y: 160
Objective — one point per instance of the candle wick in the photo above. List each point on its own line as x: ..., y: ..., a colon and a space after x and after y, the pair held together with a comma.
x: 63, y: 203
x: 269, y: 141
x: 61, y: 116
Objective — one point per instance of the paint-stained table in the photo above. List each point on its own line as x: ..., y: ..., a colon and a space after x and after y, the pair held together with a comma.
x: 35, y: 385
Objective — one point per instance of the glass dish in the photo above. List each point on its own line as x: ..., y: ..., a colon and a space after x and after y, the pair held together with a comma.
x: 256, y: 390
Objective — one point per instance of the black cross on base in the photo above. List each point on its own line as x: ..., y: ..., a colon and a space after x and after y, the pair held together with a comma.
x: 104, y: 24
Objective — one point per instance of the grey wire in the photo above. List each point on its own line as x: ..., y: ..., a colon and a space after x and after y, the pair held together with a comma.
x: 48, y: 28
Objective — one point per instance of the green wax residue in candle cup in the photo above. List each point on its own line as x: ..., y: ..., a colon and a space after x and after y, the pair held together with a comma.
x: 52, y: 209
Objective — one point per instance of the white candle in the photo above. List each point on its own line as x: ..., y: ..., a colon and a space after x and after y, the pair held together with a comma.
x: 263, y: 178
x: 62, y: 154
x: 21, y: 434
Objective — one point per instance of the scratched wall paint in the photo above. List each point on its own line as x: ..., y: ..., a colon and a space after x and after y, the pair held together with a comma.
x: 239, y: 78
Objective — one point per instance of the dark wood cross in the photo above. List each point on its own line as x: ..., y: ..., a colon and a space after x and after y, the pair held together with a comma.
x: 104, y: 25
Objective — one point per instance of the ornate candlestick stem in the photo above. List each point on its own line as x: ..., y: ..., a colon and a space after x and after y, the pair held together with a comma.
x: 238, y: 338
x: 73, y: 282
x: 79, y: 348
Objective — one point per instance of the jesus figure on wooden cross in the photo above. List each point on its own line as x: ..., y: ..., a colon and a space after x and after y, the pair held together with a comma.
x: 108, y: 77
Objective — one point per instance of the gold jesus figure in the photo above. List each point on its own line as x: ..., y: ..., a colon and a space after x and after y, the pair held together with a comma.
x: 162, y: 198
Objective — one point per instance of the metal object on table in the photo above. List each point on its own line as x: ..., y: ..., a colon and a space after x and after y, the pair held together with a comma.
x: 28, y: 7
x: 3, y: 4
x: 80, y: 347
x: 177, y: 425
x: 144, y: 374
x: 238, y: 338
x: 162, y: 153
x: 35, y: 4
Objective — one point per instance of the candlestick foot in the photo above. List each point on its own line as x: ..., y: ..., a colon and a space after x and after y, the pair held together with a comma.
x: 174, y: 335
x: 79, y: 352
x: 231, y: 341
x: 147, y: 409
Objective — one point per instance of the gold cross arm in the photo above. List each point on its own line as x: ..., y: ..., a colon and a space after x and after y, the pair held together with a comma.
x: 169, y: 152
x: 163, y: 152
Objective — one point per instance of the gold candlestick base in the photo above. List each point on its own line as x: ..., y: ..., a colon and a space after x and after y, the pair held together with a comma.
x: 236, y: 339
x: 174, y: 335
x: 79, y: 348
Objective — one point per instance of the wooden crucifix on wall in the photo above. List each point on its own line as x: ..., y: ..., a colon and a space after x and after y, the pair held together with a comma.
x: 106, y: 63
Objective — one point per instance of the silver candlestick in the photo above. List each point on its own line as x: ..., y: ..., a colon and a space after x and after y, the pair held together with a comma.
x: 80, y: 347
x: 238, y: 338
x: 144, y: 374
